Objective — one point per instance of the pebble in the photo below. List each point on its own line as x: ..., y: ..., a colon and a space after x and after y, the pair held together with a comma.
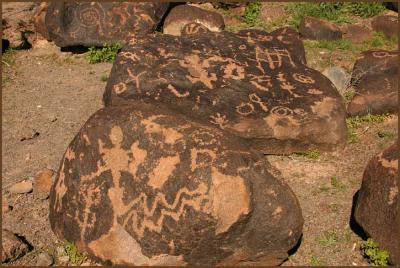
x: 44, y: 259
x: 22, y: 187
x: 63, y: 259
x: 42, y: 184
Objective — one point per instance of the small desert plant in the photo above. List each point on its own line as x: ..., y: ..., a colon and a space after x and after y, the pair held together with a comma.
x: 104, y: 78
x: 375, y: 255
x: 7, y: 57
x: 328, y: 239
x: 107, y: 53
x: 364, y: 10
x: 316, y: 261
x: 313, y: 154
x: 252, y: 13
x: 355, y: 122
x: 337, y: 184
x: 71, y: 251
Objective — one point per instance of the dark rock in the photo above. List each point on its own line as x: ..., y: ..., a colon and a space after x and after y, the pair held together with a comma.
x: 12, y: 247
x: 181, y: 15
x: 388, y: 24
x: 357, y: 34
x: 375, y: 80
x: 252, y: 84
x: 142, y: 185
x: 392, y: 6
x: 377, y: 208
x: 317, y: 29
x: 97, y: 23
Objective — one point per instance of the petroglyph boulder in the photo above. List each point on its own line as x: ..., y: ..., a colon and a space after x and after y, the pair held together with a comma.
x: 96, y: 23
x: 252, y: 84
x: 142, y: 185
x: 317, y: 29
x: 181, y: 15
x: 375, y: 80
x: 194, y: 28
x: 378, y: 205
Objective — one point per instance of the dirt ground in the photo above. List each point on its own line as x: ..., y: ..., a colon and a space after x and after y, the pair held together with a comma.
x: 53, y: 93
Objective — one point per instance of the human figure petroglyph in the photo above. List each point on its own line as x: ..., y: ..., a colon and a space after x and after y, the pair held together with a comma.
x: 219, y: 120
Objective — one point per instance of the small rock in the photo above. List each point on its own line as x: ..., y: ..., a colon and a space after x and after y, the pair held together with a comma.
x: 60, y: 251
x: 387, y: 24
x: 271, y: 11
x: 44, y: 259
x: 43, y: 182
x: 5, y: 206
x: 12, y: 246
x: 338, y: 77
x: 181, y: 15
x: 63, y: 259
x: 356, y: 33
x: 317, y: 29
x: 22, y: 187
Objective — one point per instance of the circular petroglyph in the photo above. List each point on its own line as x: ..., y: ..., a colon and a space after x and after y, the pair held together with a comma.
x: 303, y: 78
x: 90, y: 15
x: 282, y: 111
x: 245, y: 108
x: 119, y: 88
x: 382, y: 54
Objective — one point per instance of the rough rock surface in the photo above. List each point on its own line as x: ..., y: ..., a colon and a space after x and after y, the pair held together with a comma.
x: 181, y: 15
x: 375, y: 79
x: 378, y: 205
x: 17, y: 22
x: 12, y: 247
x: 39, y: 20
x: 97, y: 23
x: 142, y: 185
x: 388, y: 24
x: 317, y: 29
x: 356, y: 33
x: 252, y: 84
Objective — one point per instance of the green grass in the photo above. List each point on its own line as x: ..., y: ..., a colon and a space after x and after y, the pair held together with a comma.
x: 317, y: 261
x: 312, y: 154
x: 364, y: 10
x: 384, y: 134
x: 328, y: 239
x: 104, y: 78
x: 337, y: 184
x: 252, y: 13
x: 332, y: 11
x: 72, y: 252
x: 107, y: 53
x: 355, y: 122
x: 348, y: 95
x: 375, y: 255
x: 7, y: 57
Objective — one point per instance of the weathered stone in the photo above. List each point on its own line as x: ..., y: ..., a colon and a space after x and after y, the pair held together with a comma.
x: 228, y: 5
x: 317, y: 29
x: 44, y: 259
x: 12, y: 247
x: 272, y: 11
x: 388, y: 24
x: 21, y: 187
x: 142, y: 185
x: 181, y: 15
x: 17, y: 22
x: 377, y: 208
x: 339, y: 77
x: 194, y: 28
x: 39, y: 20
x: 252, y: 84
x: 96, y: 23
x: 375, y: 80
x: 43, y: 182
x: 356, y: 33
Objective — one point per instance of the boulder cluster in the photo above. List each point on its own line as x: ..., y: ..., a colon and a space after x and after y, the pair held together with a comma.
x: 172, y: 170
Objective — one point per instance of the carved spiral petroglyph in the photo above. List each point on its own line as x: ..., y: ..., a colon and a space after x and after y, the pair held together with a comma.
x: 90, y: 15
x: 303, y: 78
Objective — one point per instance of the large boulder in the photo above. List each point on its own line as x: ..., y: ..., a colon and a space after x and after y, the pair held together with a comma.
x: 252, y: 84
x: 317, y: 29
x: 388, y: 24
x: 96, y: 23
x: 181, y: 15
x: 377, y: 208
x: 142, y: 185
x: 375, y: 80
